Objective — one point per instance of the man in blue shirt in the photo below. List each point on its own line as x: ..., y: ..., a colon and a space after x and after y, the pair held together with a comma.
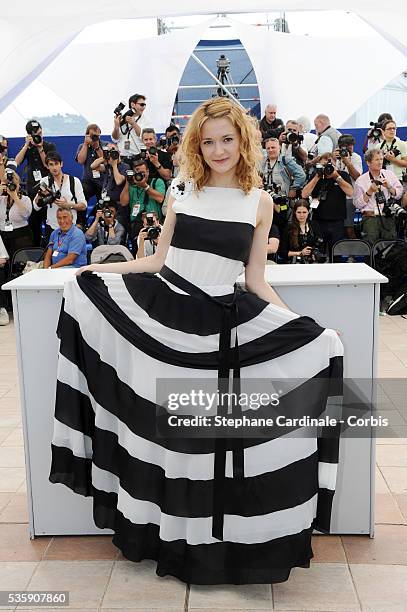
x: 67, y: 245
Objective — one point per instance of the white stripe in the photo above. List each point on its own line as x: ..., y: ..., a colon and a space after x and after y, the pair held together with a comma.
x: 244, y: 530
x: 77, y: 442
x: 213, y: 269
x: 327, y: 475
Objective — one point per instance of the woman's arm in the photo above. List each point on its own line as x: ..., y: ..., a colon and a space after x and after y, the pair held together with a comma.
x: 254, y: 273
x: 153, y: 263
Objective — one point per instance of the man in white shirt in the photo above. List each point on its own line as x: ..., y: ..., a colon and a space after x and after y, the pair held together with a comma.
x: 68, y: 189
x: 128, y: 127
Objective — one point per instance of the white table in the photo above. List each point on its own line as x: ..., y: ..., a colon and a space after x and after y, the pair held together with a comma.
x: 341, y: 296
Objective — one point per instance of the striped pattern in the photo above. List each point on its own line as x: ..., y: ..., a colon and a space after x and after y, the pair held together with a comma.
x: 118, y: 335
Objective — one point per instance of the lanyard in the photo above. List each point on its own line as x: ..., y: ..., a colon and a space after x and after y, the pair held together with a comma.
x: 384, y: 144
x: 270, y: 170
x: 61, y: 239
x: 8, y: 208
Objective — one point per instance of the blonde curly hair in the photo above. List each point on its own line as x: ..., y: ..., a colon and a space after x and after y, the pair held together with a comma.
x: 192, y: 164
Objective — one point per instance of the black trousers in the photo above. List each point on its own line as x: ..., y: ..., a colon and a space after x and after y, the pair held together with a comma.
x: 91, y: 189
x: 332, y: 231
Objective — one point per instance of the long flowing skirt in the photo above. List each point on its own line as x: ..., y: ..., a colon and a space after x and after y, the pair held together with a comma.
x: 119, y: 334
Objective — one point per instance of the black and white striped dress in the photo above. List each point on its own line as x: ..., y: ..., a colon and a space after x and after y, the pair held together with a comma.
x: 118, y: 335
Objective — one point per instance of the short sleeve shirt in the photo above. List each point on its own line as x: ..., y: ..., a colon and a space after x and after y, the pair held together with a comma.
x: 34, y: 164
x: 91, y: 155
x: 72, y: 241
x: 140, y: 202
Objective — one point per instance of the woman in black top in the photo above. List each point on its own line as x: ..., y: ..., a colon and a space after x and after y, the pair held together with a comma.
x: 301, y: 236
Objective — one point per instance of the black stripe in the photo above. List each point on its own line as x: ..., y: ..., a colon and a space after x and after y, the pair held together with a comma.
x: 73, y: 472
x: 74, y: 409
x: 229, y: 239
x: 183, y: 312
x: 185, y: 497
x: 322, y: 521
x: 139, y: 414
x: 288, y: 337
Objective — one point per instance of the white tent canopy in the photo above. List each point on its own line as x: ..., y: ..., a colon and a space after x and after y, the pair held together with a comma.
x: 38, y: 44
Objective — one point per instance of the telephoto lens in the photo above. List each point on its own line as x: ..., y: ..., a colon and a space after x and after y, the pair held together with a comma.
x: 329, y: 169
x: 152, y: 150
x: 94, y: 137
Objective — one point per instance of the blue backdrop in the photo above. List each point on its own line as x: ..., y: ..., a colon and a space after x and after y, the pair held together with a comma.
x: 67, y: 146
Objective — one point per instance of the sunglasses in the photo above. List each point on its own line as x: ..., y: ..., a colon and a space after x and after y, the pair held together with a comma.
x: 142, y: 104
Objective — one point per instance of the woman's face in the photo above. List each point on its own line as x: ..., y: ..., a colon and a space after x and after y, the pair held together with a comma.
x: 302, y: 214
x: 389, y: 131
x: 220, y: 145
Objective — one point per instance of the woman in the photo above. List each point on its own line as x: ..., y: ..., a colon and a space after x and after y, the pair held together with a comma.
x: 15, y: 210
x: 394, y: 150
x: 301, y: 235
x: 208, y: 510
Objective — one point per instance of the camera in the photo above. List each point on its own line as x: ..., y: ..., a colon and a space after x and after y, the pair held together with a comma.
x: 380, y: 197
x: 141, y: 155
x: 278, y: 198
x: 168, y: 142
x: 392, y: 209
x: 317, y: 254
x: 32, y: 130
x: 329, y: 169
x: 153, y: 231
x: 343, y: 152
x: 375, y: 133
x: 94, y: 137
x: 11, y: 185
x: 110, y: 153
x: 395, y: 152
x: 152, y: 151
x: 46, y: 196
x: 294, y: 138
x: 128, y: 113
x: 138, y: 176
x: 118, y: 110
x: 130, y: 176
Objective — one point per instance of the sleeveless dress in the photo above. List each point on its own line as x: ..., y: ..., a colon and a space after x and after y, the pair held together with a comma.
x: 208, y: 511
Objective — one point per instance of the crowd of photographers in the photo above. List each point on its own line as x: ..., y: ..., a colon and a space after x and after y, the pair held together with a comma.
x: 316, y: 181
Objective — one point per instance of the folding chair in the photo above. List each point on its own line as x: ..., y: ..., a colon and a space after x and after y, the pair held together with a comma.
x: 352, y: 251
x: 110, y: 253
x: 21, y: 257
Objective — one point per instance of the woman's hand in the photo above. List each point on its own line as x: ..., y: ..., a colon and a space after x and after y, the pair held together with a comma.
x: 306, y: 251
x: 91, y: 268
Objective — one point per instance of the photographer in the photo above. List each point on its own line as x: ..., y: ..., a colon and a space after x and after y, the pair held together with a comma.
x: 291, y: 143
x: 4, y: 318
x: 128, y: 126
x: 67, y: 244
x: 374, y: 134
x: 34, y: 152
x: 105, y: 229
x: 15, y: 210
x: 270, y: 126
x: 281, y: 178
x: 329, y: 189
x: 394, y: 150
x: 159, y: 162
x: 348, y: 161
x: 326, y: 141
x: 375, y: 195
x: 112, y: 171
x: 302, y: 238
x: 149, y: 235
x: 58, y: 191
x: 89, y: 151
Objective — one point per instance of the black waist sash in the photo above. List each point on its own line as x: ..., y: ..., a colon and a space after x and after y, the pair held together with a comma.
x: 227, y: 359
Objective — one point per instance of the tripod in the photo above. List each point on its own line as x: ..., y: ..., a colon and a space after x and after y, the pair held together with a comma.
x: 223, y: 75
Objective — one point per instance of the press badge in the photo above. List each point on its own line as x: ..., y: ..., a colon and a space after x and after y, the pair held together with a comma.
x: 314, y: 203
x: 37, y: 175
x: 8, y: 226
x: 127, y: 145
x: 95, y: 173
x: 136, y: 210
x: 55, y: 254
